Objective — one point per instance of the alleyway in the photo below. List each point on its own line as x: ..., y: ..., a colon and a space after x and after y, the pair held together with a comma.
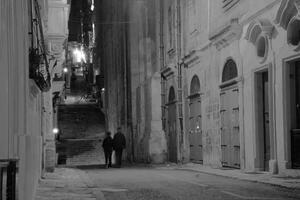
x: 154, y: 183
x: 82, y: 128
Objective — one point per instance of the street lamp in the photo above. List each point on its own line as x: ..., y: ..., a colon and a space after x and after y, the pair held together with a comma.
x: 55, y: 130
x: 65, y: 70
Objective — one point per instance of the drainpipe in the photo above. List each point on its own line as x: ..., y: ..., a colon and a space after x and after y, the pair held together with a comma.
x: 162, y: 59
x: 274, y: 141
x: 180, y: 91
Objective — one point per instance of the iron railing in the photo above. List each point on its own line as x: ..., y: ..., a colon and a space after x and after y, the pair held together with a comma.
x: 8, y: 175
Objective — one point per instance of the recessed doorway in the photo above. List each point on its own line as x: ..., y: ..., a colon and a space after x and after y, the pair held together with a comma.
x: 263, y: 144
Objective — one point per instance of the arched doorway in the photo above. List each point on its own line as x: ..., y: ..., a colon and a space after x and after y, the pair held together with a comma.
x: 230, y: 130
x: 195, y: 122
x: 172, y: 130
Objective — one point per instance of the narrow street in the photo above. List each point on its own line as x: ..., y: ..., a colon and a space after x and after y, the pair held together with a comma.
x: 82, y: 128
x: 157, y: 183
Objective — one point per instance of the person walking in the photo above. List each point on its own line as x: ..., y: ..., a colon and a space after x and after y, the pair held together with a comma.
x: 108, y: 148
x: 119, y: 143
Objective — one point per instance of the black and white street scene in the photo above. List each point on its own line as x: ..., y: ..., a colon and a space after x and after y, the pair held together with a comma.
x: 150, y: 99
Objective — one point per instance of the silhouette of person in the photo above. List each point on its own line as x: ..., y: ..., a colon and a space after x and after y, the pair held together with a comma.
x: 119, y: 143
x: 108, y: 148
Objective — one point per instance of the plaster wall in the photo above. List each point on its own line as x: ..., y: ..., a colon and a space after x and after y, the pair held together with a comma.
x: 279, y: 55
x: 24, y: 127
x: 202, y: 59
x: 111, y: 38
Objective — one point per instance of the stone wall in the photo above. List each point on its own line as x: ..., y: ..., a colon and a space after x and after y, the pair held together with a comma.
x: 111, y: 31
x: 150, y: 142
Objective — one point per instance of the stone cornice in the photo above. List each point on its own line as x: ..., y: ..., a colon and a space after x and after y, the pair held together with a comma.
x: 228, y: 34
x: 286, y: 9
x: 191, y: 58
x: 257, y: 27
x: 167, y: 71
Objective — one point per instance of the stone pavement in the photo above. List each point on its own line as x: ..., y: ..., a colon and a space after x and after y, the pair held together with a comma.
x: 261, y: 177
x: 67, y: 184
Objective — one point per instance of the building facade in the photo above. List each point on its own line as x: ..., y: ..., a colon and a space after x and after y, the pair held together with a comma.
x: 28, y: 48
x: 211, y: 82
x: 240, y: 63
x: 228, y: 74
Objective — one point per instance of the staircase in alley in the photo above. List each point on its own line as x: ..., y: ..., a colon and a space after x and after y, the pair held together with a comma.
x: 81, y: 134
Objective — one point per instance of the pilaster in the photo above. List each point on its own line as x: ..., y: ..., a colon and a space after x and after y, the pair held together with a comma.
x: 56, y: 36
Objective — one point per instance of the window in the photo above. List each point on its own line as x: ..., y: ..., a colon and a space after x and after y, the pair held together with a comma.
x: 195, y: 85
x: 171, y: 95
x: 229, y: 71
x: 293, y: 30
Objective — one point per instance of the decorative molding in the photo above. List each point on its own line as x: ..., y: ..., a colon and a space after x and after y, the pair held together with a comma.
x: 167, y: 72
x: 287, y: 10
x: 191, y: 59
x: 228, y: 4
x: 227, y: 35
x: 288, y: 17
x: 258, y: 27
x: 171, y: 52
x: 56, y: 46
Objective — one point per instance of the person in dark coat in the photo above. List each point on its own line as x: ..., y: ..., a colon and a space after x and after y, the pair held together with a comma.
x: 119, y: 143
x: 108, y: 148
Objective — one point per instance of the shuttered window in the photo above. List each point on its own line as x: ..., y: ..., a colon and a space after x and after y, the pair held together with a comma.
x: 228, y: 4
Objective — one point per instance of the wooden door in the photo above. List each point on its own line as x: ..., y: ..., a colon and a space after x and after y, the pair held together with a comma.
x: 230, y: 138
x: 172, y: 133
x: 295, y: 132
x: 266, y: 121
x: 195, y: 133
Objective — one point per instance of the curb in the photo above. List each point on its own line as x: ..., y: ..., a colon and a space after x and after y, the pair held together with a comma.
x: 242, y: 178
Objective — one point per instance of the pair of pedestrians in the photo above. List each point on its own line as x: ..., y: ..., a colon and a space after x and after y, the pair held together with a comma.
x: 118, y: 143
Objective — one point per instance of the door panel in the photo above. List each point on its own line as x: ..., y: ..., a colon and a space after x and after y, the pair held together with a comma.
x: 195, y: 133
x: 172, y: 145
x: 295, y: 132
x: 230, y: 140
x: 267, y: 144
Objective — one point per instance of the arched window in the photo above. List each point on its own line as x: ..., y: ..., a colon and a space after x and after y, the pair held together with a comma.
x: 171, y: 94
x: 195, y: 85
x: 229, y: 71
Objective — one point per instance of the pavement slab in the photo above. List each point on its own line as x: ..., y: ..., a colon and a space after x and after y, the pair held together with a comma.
x: 261, y: 177
x: 65, y: 184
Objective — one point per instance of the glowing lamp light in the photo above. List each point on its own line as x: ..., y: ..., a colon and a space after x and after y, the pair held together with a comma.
x: 103, y: 89
x: 79, y: 55
x: 92, y: 6
x: 65, y: 70
x: 55, y: 130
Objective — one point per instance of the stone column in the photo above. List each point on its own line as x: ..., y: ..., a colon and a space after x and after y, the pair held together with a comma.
x: 157, y: 140
x: 57, y: 33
